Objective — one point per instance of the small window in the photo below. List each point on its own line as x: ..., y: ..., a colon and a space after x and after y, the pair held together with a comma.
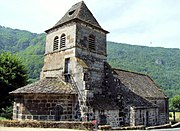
x: 56, y: 42
x: 92, y: 42
x: 86, y: 76
x: 71, y: 12
x: 63, y: 41
x: 67, y: 66
x: 140, y: 115
x: 67, y: 70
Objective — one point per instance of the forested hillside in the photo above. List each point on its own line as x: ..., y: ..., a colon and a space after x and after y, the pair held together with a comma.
x: 28, y: 46
x: 162, y: 64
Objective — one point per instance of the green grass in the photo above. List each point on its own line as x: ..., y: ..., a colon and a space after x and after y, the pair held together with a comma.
x: 2, y: 118
x: 177, y: 116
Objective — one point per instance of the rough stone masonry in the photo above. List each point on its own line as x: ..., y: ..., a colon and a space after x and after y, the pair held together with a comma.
x: 78, y: 84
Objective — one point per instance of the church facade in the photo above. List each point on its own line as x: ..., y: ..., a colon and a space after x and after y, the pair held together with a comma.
x: 77, y: 83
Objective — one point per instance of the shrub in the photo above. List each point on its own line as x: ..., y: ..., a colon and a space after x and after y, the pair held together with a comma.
x: 7, y: 112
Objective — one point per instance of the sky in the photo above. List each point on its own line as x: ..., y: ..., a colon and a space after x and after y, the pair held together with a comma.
x: 153, y: 23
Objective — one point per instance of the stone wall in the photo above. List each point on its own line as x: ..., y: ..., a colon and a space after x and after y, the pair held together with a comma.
x: 83, y: 33
x: 163, y: 113
x: 69, y: 30
x: 94, y: 59
x: 142, y: 116
x: 147, y: 117
x: 43, y: 107
x: 54, y: 63
x: 47, y: 124
x: 112, y: 117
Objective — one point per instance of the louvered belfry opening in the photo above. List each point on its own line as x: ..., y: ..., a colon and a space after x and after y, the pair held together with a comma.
x: 63, y: 41
x: 92, y: 42
x: 56, y: 43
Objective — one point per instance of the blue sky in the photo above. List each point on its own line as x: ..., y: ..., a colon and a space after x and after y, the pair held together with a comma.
x: 139, y: 22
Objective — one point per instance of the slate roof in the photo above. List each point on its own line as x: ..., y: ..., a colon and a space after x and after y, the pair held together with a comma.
x: 47, y: 85
x: 140, y: 84
x: 134, y: 100
x: 129, y: 98
x: 80, y: 12
x: 113, y: 89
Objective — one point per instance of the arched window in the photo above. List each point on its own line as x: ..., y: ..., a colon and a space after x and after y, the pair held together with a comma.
x: 91, y: 42
x: 56, y: 42
x: 63, y: 41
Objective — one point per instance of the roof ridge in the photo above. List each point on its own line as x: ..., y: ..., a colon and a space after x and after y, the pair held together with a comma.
x: 139, y: 73
x: 78, y: 11
x: 78, y: 8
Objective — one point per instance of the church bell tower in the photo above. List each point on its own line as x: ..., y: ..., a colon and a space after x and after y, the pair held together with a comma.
x: 76, y: 48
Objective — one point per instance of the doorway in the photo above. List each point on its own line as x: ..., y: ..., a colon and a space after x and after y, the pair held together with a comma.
x: 102, y: 119
x: 58, y: 112
x: 147, y: 118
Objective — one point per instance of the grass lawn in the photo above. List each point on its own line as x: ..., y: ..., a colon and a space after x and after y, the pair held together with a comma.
x: 177, y: 116
x: 2, y: 118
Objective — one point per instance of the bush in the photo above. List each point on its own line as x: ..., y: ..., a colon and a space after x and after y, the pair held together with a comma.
x: 7, y: 112
x: 2, y: 118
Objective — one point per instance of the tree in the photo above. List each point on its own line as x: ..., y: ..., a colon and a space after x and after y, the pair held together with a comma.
x: 13, y: 75
x: 175, y: 105
x: 176, y: 102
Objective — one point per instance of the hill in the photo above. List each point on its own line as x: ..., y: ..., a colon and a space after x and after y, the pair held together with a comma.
x: 162, y: 64
x: 28, y: 46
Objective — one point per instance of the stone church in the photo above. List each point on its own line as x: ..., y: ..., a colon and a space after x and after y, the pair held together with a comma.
x: 77, y: 83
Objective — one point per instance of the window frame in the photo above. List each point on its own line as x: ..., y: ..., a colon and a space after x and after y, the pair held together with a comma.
x: 91, y: 42
x: 56, y: 43
x: 62, y: 41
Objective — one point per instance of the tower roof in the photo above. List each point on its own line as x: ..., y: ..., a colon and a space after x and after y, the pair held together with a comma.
x: 79, y: 12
